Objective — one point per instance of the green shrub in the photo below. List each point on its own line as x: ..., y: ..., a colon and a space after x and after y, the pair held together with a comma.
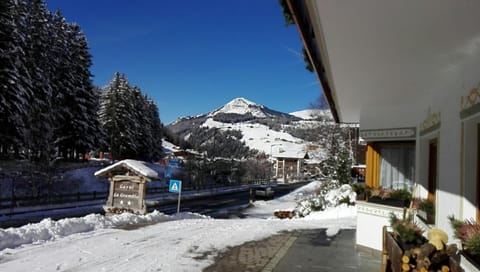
x: 406, y: 231
x: 427, y: 206
x: 402, y: 194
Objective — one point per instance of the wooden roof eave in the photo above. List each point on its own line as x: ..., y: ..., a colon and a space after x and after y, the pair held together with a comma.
x: 318, y: 64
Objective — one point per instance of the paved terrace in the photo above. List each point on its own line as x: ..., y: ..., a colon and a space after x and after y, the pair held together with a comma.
x: 301, y: 250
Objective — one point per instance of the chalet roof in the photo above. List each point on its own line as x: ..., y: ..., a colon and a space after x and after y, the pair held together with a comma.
x: 291, y: 154
x: 139, y: 167
x: 184, y: 152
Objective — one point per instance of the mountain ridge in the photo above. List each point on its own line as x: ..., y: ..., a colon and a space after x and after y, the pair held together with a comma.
x: 261, y: 128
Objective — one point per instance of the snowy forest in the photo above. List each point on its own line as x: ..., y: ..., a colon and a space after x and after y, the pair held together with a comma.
x: 49, y: 107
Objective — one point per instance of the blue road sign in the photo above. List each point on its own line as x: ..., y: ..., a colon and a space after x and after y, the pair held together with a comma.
x: 175, y: 186
x: 168, y: 173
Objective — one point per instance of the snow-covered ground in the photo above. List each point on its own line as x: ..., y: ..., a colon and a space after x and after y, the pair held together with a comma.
x: 183, y: 242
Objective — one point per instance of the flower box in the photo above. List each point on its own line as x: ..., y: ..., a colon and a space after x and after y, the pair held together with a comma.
x: 389, y: 201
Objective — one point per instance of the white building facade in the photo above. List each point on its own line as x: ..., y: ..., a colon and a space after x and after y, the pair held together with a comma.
x: 409, y: 73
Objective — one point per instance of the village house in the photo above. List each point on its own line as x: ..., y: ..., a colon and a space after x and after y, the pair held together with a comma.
x: 288, y: 164
x: 409, y: 73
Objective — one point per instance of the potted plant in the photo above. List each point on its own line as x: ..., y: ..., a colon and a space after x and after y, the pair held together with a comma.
x: 468, y: 232
x: 406, y: 232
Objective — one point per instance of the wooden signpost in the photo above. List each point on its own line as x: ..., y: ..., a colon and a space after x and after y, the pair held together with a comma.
x: 128, y: 185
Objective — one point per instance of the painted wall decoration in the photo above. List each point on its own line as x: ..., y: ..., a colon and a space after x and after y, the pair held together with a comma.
x: 392, y: 133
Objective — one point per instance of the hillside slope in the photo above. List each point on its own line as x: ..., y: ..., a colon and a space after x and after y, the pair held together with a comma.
x: 265, y: 130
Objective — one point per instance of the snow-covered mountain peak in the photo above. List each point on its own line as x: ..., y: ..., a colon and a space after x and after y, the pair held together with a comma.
x: 241, y: 106
x: 241, y: 102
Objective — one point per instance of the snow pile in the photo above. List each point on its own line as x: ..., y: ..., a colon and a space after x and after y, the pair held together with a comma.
x: 49, y: 229
x: 344, y: 192
x: 265, y: 209
x: 327, y: 195
x: 302, y: 199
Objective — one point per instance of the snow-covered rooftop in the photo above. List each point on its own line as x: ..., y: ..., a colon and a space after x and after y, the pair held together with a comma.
x: 138, y: 167
x: 294, y: 154
x: 312, y: 114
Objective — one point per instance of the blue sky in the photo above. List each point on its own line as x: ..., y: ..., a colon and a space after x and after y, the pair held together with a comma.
x: 191, y: 56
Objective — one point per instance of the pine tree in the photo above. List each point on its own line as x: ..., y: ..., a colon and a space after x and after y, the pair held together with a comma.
x: 40, y: 65
x: 339, y: 158
x: 82, y: 99
x: 47, y: 100
x: 130, y: 121
x: 15, y: 88
x: 107, y: 114
x: 62, y: 83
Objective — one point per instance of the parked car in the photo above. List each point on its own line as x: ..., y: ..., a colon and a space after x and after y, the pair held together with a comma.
x: 264, y: 191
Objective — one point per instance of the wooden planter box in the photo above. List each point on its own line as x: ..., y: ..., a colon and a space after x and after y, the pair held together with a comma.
x: 469, y: 262
x: 393, y: 252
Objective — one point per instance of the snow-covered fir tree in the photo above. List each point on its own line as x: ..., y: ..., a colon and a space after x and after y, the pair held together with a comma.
x: 41, y: 115
x: 339, y: 156
x: 15, y: 88
x: 48, y: 105
x: 130, y: 121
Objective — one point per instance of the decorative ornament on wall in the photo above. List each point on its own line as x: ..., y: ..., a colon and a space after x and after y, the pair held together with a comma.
x: 407, y: 133
x: 431, y: 123
x: 472, y: 98
x: 470, y: 103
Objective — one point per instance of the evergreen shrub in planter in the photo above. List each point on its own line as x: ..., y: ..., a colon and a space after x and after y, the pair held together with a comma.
x: 406, y: 232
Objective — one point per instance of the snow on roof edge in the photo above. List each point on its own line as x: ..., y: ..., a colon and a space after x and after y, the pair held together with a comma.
x: 137, y: 166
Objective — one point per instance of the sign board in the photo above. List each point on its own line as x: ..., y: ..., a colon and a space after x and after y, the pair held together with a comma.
x: 175, y: 186
x: 126, y: 194
x: 174, y: 163
x: 168, y: 173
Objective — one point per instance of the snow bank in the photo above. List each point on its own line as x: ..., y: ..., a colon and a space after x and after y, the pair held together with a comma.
x: 49, y: 229
x: 174, y: 245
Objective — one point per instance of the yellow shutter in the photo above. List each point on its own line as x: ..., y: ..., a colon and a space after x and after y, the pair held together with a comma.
x: 372, y: 164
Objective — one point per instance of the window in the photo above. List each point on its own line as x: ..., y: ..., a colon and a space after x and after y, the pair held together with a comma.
x: 391, y: 165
